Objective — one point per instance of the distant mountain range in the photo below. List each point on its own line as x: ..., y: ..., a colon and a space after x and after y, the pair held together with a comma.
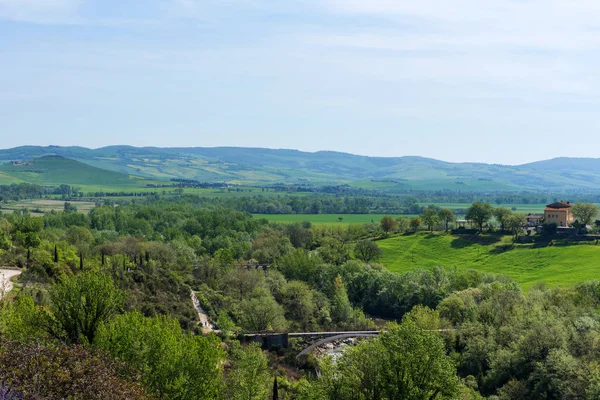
x: 55, y: 170
x: 269, y: 166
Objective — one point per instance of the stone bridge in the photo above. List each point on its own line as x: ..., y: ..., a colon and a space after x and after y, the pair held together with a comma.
x: 270, y: 340
x: 339, y: 336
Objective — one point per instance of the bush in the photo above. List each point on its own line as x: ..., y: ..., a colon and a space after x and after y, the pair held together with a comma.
x: 81, y: 303
x: 174, y: 365
x: 549, y: 229
x: 62, y: 372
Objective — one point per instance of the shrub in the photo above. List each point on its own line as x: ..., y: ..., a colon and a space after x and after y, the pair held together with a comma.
x: 62, y: 372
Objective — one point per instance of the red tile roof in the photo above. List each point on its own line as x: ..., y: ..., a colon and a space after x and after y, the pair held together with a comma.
x: 559, y: 205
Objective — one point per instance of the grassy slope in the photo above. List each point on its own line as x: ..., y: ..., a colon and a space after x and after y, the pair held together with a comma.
x: 51, y: 170
x: 555, y: 265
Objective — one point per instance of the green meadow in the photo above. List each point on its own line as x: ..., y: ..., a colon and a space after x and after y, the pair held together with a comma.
x: 528, y: 264
x: 326, y: 219
x: 519, y: 208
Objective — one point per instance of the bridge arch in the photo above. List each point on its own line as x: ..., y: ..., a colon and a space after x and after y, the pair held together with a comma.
x: 333, y: 338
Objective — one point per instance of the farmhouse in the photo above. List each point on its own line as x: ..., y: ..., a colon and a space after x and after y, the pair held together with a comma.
x: 534, y: 219
x: 462, y: 223
x: 560, y: 213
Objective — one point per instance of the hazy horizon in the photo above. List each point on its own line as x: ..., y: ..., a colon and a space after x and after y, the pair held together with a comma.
x: 533, y: 160
x: 459, y: 80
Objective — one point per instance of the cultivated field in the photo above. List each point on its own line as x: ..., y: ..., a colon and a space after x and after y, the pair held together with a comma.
x: 558, y: 265
x: 41, y: 206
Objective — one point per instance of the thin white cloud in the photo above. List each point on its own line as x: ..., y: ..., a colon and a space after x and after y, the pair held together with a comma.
x: 472, y: 10
x: 544, y: 46
x: 40, y: 11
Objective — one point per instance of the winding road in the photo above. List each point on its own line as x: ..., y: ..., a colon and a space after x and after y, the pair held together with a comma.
x: 5, y: 284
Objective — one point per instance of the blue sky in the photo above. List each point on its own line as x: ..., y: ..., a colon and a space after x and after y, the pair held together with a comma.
x: 460, y: 80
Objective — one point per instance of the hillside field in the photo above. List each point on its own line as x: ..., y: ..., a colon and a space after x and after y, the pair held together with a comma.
x: 55, y: 170
x: 559, y: 265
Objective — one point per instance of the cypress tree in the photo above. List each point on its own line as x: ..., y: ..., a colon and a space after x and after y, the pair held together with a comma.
x: 102, y: 258
x: 275, y: 390
x: 28, y: 253
x: 81, y: 261
x: 55, y: 254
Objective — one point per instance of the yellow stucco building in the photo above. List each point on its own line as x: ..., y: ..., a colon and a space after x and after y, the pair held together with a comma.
x: 560, y: 213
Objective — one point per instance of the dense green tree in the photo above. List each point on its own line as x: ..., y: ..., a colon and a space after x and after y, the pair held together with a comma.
x: 27, y: 231
x: 387, y: 224
x: 415, y: 223
x: 5, y: 226
x: 405, y: 362
x: 69, y: 208
x: 416, y: 365
x: 102, y: 218
x: 300, y: 235
x: 300, y: 265
x: 402, y: 224
x: 514, y: 223
x: 20, y: 320
x: 242, y: 282
x: 270, y: 246
x: 79, y: 237
x: 480, y: 213
x: 334, y: 250
x: 341, y: 309
x: 502, y: 215
x: 250, y: 378
x: 549, y: 228
x: 430, y: 218
x: 366, y: 250
x: 5, y: 242
x: 446, y: 216
x: 459, y: 307
x: 80, y: 304
x: 174, y: 365
x: 261, y: 312
x: 585, y: 213
x: 298, y: 300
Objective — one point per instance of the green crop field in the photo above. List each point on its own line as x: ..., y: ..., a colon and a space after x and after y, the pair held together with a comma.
x: 519, y: 208
x: 558, y: 265
x: 326, y: 219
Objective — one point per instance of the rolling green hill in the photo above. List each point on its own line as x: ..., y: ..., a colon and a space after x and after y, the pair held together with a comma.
x: 268, y: 166
x: 559, y: 265
x: 56, y: 170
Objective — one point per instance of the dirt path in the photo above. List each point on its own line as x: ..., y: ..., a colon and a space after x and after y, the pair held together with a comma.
x: 206, y: 325
x: 5, y: 284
